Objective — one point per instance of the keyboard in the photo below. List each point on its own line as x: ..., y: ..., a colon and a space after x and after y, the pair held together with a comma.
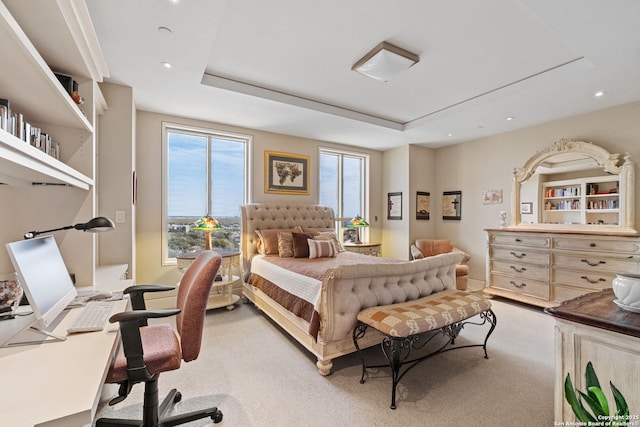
x: 94, y: 317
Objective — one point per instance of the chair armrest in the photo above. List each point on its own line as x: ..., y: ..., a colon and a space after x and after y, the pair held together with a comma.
x: 136, y: 294
x: 132, y: 342
x: 416, y: 253
x: 466, y: 258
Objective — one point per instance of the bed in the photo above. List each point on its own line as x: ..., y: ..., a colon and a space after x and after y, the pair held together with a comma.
x: 326, y: 304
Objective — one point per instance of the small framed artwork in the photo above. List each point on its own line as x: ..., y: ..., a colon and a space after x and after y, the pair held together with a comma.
x: 394, y: 205
x: 452, y: 205
x: 526, y: 207
x: 286, y: 173
x: 422, y: 205
x: 491, y: 197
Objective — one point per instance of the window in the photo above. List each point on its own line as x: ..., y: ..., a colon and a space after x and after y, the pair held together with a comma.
x: 205, y: 173
x: 343, y: 186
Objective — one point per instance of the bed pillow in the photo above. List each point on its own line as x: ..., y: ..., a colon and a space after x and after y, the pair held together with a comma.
x: 330, y: 235
x: 285, y: 244
x: 300, y: 245
x: 321, y: 248
x: 268, y: 239
x: 317, y: 230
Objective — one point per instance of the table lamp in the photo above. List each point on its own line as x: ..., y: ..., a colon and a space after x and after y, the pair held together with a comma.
x: 96, y: 225
x: 208, y: 224
x: 357, y: 222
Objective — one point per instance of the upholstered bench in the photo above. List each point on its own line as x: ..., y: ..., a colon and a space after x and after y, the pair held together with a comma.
x: 404, y: 326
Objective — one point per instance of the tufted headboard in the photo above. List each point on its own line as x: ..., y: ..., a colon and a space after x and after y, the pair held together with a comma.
x: 262, y: 216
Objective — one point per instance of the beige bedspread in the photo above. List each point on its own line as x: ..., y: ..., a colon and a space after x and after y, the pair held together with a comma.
x: 304, y: 302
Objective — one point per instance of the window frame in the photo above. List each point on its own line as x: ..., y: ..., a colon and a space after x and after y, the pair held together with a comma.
x: 365, y: 174
x: 209, y: 133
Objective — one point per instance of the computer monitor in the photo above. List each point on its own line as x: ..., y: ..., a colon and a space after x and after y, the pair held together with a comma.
x: 44, y: 278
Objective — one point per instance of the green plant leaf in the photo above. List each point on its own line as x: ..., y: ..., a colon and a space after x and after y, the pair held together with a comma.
x: 591, y: 379
x: 621, y: 404
x: 602, y: 402
x: 574, y: 401
x: 593, y: 404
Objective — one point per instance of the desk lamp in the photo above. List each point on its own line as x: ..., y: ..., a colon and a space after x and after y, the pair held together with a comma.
x: 357, y: 222
x: 208, y: 224
x: 96, y: 225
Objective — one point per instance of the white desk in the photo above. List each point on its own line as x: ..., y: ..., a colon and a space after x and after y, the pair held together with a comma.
x: 56, y: 383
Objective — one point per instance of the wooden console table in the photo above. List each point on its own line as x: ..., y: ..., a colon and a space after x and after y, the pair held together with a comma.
x: 592, y: 328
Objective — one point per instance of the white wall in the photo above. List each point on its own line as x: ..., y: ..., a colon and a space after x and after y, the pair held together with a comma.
x: 487, y: 163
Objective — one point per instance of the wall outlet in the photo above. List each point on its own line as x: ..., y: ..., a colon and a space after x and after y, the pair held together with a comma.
x: 119, y: 217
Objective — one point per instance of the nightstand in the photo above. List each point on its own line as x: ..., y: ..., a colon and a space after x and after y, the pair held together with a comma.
x: 371, y: 248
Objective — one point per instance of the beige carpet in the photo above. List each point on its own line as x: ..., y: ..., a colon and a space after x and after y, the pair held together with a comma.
x: 258, y: 376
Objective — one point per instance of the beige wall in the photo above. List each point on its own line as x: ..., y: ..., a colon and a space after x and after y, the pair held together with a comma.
x: 487, y: 164
x: 149, y: 172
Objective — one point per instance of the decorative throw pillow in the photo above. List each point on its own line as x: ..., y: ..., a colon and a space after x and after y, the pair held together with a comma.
x: 321, y: 248
x: 285, y: 244
x: 268, y: 239
x: 300, y: 245
x: 330, y: 235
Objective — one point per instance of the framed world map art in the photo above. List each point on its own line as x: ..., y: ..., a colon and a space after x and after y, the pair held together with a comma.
x: 286, y: 173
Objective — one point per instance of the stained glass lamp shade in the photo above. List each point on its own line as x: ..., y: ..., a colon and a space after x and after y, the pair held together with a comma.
x: 208, y: 224
x: 357, y: 222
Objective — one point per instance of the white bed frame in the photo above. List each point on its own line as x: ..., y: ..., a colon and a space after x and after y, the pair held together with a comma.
x: 345, y: 290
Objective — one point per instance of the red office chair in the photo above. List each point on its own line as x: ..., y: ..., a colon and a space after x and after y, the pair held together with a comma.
x: 146, y: 351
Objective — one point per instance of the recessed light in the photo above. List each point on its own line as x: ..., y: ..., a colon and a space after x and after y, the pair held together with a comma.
x: 509, y: 118
x: 599, y: 93
x: 166, y: 64
x: 449, y: 134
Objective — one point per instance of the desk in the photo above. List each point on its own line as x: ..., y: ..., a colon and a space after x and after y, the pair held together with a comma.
x: 591, y: 328
x: 57, y: 383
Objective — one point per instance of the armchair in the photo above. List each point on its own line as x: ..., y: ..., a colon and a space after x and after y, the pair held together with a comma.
x: 430, y: 247
x: 148, y: 350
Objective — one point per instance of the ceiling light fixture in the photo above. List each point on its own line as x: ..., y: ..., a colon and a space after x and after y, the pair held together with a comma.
x: 509, y: 118
x: 166, y: 64
x: 449, y: 134
x: 599, y: 93
x: 385, y: 61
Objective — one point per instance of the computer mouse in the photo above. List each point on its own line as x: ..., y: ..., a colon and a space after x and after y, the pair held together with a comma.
x: 100, y: 295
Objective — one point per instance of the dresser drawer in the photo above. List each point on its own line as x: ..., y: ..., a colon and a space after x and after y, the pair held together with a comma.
x: 596, y: 244
x: 520, y: 270
x: 561, y: 293
x: 596, y: 280
x: 522, y: 286
x: 595, y: 262
x: 526, y: 255
x: 520, y: 240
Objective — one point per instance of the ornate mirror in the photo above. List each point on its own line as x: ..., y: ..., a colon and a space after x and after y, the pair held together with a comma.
x: 575, y: 185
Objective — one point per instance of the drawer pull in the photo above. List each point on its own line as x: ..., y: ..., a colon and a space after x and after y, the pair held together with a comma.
x: 521, y: 285
x: 522, y: 255
x: 518, y: 240
x: 593, y: 264
x: 592, y: 245
x: 591, y: 280
x: 518, y: 270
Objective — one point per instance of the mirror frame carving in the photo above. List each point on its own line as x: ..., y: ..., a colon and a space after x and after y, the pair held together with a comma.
x: 616, y: 164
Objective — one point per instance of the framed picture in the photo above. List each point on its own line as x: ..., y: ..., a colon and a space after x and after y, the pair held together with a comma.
x: 526, y: 207
x: 422, y: 205
x: 491, y: 197
x: 394, y: 205
x: 286, y: 173
x: 451, y: 204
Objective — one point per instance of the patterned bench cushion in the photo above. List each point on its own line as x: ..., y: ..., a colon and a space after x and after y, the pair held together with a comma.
x: 425, y: 314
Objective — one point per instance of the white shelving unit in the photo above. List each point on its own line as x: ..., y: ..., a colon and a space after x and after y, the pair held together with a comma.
x: 36, y: 38
x: 592, y: 200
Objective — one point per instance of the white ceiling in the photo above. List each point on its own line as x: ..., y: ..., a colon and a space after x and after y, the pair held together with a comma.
x: 285, y: 65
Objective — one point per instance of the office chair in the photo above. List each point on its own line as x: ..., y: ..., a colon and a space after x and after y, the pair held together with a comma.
x: 146, y: 351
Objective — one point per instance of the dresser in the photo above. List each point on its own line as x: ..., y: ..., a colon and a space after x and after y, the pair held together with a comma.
x: 544, y: 268
x: 591, y: 328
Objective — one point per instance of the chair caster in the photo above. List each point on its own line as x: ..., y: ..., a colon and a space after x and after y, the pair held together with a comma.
x: 217, y: 416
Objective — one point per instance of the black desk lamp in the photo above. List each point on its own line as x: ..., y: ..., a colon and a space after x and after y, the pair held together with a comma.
x: 96, y: 225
